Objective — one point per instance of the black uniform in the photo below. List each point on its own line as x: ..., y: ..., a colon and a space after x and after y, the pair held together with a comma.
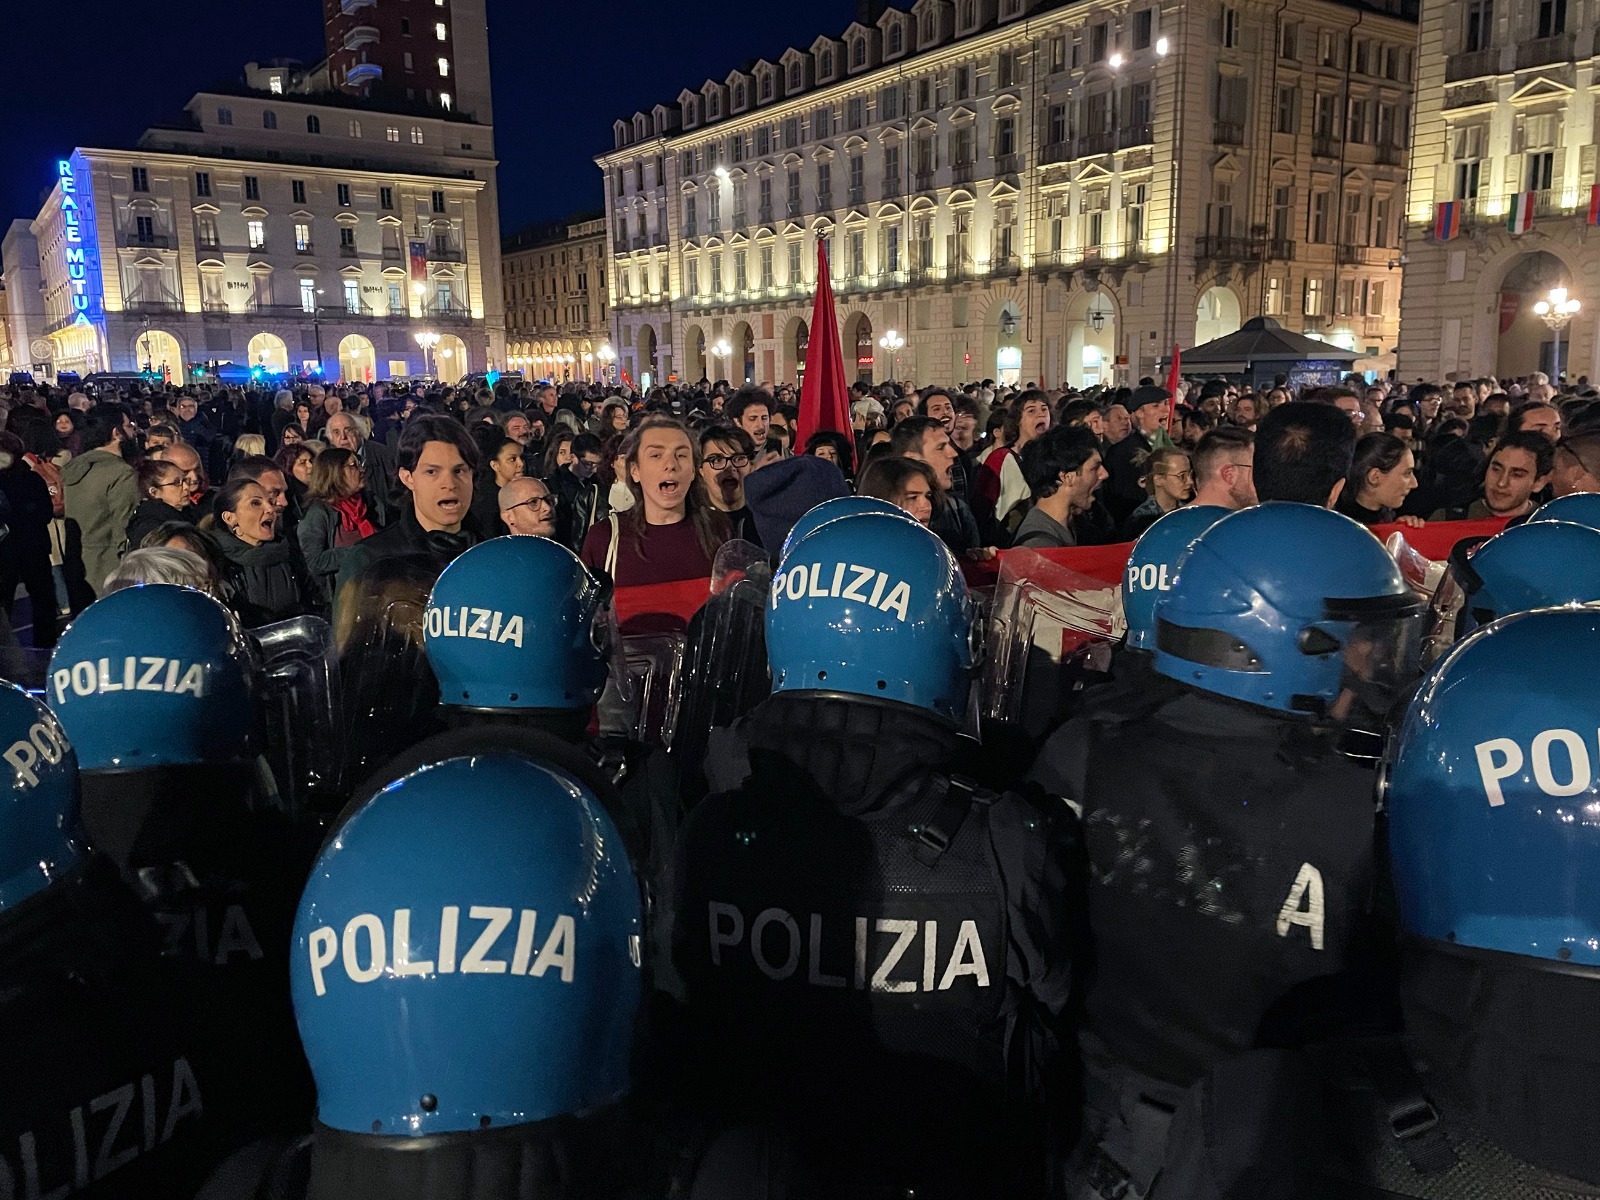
x: 1231, y: 880
x: 875, y: 954
x: 126, y: 1074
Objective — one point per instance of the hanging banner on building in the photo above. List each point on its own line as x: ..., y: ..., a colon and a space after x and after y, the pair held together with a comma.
x: 419, y: 261
x: 1447, y: 221
x: 1520, y: 219
x: 1594, y: 205
x: 1510, y: 306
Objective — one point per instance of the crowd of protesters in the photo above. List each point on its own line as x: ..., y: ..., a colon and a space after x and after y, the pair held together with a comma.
x: 273, y: 499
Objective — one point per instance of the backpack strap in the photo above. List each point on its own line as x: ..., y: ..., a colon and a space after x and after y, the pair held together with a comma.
x: 611, y: 549
x: 934, y: 836
x: 1411, y: 1117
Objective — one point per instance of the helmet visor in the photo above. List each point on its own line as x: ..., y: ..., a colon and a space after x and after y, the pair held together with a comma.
x: 1382, y: 660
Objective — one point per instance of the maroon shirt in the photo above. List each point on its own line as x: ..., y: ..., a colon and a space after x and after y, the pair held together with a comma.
x: 665, y: 554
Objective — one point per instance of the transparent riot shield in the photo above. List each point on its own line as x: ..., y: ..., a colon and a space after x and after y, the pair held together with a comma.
x: 388, y: 692
x: 1051, y: 631
x: 1422, y: 573
x: 298, y: 706
x: 725, y: 668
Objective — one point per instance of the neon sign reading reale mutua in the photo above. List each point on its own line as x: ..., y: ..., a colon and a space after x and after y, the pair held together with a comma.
x: 82, y: 253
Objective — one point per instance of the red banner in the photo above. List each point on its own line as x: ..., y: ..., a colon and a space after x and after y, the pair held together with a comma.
x: 419, y: 261
x: 665, y: 606
x: 1510, y: 306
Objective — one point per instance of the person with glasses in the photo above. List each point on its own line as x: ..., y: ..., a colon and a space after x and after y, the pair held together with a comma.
x: 1223, y: 464
x: 727, y: 455
x: 163, y: 496
x: 527, y: 508
x: 1168, y: 484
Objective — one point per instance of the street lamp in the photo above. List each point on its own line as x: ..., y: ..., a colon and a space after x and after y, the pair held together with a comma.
x: 723, y: 350
x: 316, y: 324
x: 892, y: 342
x: 427, y: 339
x: 607, y: 356
x: 1556, y: 311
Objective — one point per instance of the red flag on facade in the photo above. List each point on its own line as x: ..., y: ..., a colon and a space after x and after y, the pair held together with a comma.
x: 825, y: 394
x: 1173, y: 378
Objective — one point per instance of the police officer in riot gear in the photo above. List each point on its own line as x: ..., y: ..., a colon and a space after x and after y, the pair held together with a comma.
x: 466, y: 978
x: 1580, y: 508
x: 1492, y: 1090
x: 117, y: 1083
x: 1230, y: 837
x: 153, y: 686
x: 875, y: 953
x: 1538, y: 564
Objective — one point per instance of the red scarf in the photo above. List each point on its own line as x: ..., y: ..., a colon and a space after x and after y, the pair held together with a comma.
x: 353, y: 523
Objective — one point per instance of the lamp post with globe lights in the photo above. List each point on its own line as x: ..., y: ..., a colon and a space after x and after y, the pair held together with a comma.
x: 1556, y: 310
x: 607, y: 356
x: 427, y: 339
x: 892, y: 342
x: 723, y: 350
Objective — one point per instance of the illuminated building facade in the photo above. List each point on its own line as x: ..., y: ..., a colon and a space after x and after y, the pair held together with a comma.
x: 1021, y: 193
x: 1503, y: 202
x: 555, y: 302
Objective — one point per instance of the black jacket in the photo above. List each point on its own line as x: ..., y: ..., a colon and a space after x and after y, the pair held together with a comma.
x: 405, y: 538
x: 270, y: 582
x: 578, y: 507
x: 151, y: 513
x: 1124, y: 467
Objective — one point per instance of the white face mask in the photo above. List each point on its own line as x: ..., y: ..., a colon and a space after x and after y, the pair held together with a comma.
x: 621, y: 496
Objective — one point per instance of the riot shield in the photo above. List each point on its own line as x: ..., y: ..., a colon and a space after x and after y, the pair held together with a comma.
x: 387, y: 690
x: 640, y: 702
x: 1051, y: 631
x: 726, y: 672
x: 297, y: 703
x: 1422, y: 573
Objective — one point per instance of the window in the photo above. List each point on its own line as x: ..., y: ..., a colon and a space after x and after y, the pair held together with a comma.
x: 693, y: 272
x: 1479, y: 33
x: 252, y: 187
x: 825, y: 64
x: 1005, y: 136
x: 858, y: 177
x: 1282, y: 214
x: 1056, y: 123
x: 352, y: 296
x: 386, y: 198
x: 1467, y: 145
x: 275, y: 85
x: 438, y: 202
x: 444, y: 298
x: 440, y: 32
x: 763, y: 141
x: 1143, y: 28
x: 741, y: 279
x: 1141, y: 105
x: 766, y: 268
x: 407, y: 61
x: 1274, y: 305
x: 1288, y: 110
x: 922, y: 235
x: 297, y: 188
x: 347, y: 237
x: 1230, y: 27
x: 794, y: 264
x: 793, y: 197
x: 1541, y: 169
x: 397, y: 303
x: 1321, y: 204
x: 795, y: 77
x: 405, y: 27
x: 344, y: 195
x: 716, y: 274
x: 1375, y: 298
x: 821, y: 124
x: 444, y: 68
x: 1315, y: 297
x: 891, y: 163
x: 858, y: 52
x: 1006, y: 69
x: 689, y: 227
x: 313, y: 124
x: 1355, y: 232
x: 897, y: 38
x: 889, y: 104
x: 208, y: 232
x: 269, y: 119
x: 308, y: 295
x: 1381, y: 223
x: 1289, y: 41
x: 855, y: 112
x: 858, y: 255
x: 224, y: 116
x: 416, y: 135
x: 444, y: 103
x: 302, y: 237
x: 202, y: 183
x: 1552, y: 17
x: 1356, y: 130
x: 258, y: 234
x: 141, y: 179
x: 1099, y: 37
x: 1322, y: 122
x: 144, y: 229
x: 890, y: 260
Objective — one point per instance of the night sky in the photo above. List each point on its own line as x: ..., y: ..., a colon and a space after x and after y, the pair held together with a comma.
x: 99, y: 72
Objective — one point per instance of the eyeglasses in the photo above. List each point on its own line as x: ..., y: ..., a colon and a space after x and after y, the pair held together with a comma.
x: 544, y: 500
x: 718, y: 462
x: 1185, y: 476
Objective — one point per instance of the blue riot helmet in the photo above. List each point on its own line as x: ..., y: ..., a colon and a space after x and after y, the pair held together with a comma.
x: 1539, y: 564
x: 840, y: 506
x: 518, y: 623
x: 466, y: 953
x: 153, y: 687
x: 39, y: 836
x: 1153, y: 566
x: 873, y: 605
x: 1580, y: 508
x: 153, y: 676
x: 1293, y: 608
x: 1492, y: 790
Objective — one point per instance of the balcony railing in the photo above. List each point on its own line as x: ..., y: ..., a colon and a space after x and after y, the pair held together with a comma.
x: 1057, y: 152
x: 156, y: 241
x: 1008, y: 164
x: 1141, y: 134
x: 825, y: 201
x: 741, y: 220
x: 792, y: 209
x: 393, y: 254
x: 1372, y: 326
x: 1005, y: 264
x: 348, y: 251
x: 164, y: 304
x: 1280, y: 250
x: 214, y: 308
x: 961, y: 172
x: 438, y: 253
x: 891, y: 189
x: 1560, y: 48
x: 1472, y: 64
x: 213, y: 245
x: 1227, y: 133
x: 1103, y: 142
x: 1228, y: 249
x: 360, y: 35
x: 1391, y: 156
x: 924, y: 181
x: 640, y: 241
x: 1106, y: 252
x: 1363, y: 256
x: 764, y: 214
x: 1324, y: 146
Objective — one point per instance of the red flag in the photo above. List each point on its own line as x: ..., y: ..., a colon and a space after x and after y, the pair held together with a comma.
x: 1173, y: 377
x: 825, y: 394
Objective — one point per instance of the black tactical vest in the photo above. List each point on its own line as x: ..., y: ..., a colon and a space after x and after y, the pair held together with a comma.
x: 1230, y: 876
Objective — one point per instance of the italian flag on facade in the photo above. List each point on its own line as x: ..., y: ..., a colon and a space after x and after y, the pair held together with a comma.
x: 1520, y: 219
